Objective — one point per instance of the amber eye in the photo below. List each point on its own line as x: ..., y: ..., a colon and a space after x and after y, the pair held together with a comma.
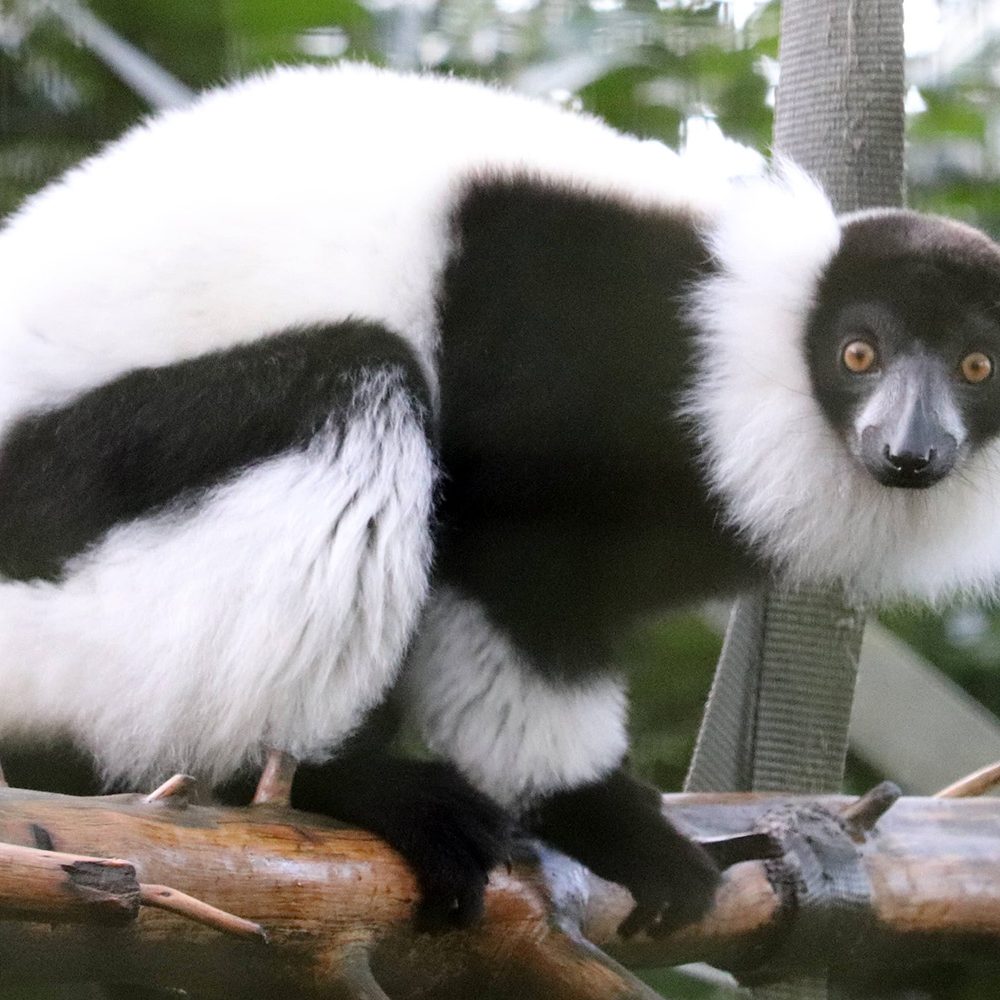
x: 976, y: 367
x: 860, y: 357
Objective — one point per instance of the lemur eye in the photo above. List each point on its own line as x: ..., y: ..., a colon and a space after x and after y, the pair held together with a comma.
x: 976, y: 367
x: 860, y: 357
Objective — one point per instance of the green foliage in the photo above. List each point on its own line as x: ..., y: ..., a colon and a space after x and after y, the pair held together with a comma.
x: 670, y: 664
x: 949, y: 114
x: 617, y: 98
x: 59, y: 101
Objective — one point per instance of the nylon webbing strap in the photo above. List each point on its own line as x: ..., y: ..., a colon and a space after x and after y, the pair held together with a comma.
x: 723, y: 754
x: 778, y: 712
x: 779, y: 708
x: 809, y: 665
x: 823, y: 879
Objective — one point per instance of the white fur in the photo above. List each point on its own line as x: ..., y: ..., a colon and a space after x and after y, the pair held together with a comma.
x: 785, y: 479
x: 513, y: 732
x: 268, y: 616
x: 307, y: 195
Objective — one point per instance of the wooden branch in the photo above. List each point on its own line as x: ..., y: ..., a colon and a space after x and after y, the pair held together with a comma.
x: 977, y: 783
x: 275, y: 785
x: 337, y: 903
x: 165, y: 898
x: 46, y: 885
x: 175, y: 791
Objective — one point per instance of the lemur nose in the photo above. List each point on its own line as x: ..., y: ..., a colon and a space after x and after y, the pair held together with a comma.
x: 908, y: 462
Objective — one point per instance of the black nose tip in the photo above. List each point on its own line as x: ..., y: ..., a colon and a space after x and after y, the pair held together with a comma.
x: 912, y: 465
x: 908, y: 462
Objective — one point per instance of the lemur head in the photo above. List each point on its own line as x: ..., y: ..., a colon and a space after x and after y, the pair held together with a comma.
x: 844, y: 363
x: 903, y: 342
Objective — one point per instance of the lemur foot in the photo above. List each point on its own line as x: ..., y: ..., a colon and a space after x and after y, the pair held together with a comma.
x: 451, y: 835
x: 616, y: 827
x: 673, y: 883
x: 453, y: 838
x: 686, y: 880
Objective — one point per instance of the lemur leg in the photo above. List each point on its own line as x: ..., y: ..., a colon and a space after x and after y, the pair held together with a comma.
x: 552, y: 749
x: 216, y: 556
x: 232, y: 553
x: 158, y: 439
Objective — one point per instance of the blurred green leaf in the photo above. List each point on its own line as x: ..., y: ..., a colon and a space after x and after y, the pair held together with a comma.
x: 949, y: 113
x: 615, y: 97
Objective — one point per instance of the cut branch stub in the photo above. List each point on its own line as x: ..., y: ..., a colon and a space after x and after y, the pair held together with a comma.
x: 353, y: 969
x: 861, y: 816
x: 174, y: 791
x: 50, y: 886
x: 275, y: 785
x: 164, y: 898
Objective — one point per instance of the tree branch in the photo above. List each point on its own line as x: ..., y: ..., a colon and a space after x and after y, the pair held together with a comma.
x: 337, y: 903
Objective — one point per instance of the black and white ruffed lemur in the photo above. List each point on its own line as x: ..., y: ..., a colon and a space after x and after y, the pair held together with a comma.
x: 337, y: 368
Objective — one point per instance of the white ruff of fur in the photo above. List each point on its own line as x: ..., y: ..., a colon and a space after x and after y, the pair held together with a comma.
x: 786, y: 481
x: 272, y: 615
x: 514, y: 734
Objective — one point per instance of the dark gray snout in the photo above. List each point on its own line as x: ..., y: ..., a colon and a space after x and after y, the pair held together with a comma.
x: 920, y: 462
x: 910, y: 428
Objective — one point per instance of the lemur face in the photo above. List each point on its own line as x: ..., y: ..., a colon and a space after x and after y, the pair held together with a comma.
x: 903, y: 345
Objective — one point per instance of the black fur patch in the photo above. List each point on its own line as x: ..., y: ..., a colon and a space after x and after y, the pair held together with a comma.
x: 50, y: 764
x: 572, y: 500
x: 159, y: 436
x: 617, y: 829
x: 451, y: 835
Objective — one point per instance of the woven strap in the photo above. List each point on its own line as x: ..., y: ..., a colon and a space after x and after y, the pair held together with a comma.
x: 778, y: 712
x: 779, y: 708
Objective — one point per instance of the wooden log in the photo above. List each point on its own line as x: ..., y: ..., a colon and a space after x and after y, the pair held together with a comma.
x: 337, y: 904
